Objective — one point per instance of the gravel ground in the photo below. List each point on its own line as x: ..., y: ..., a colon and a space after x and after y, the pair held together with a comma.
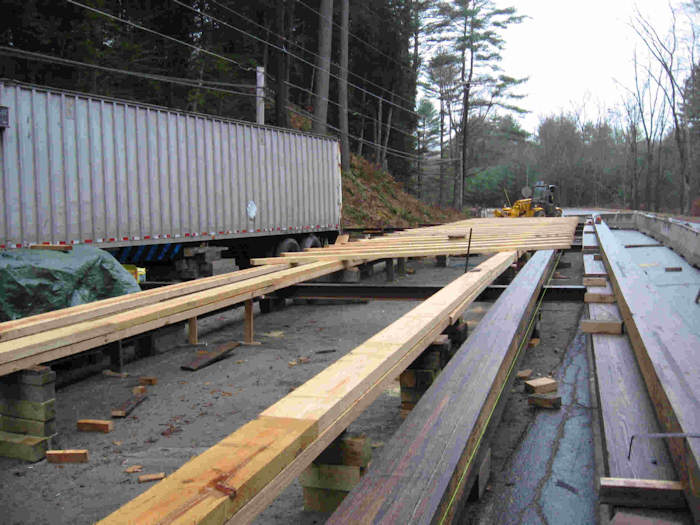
x: 187, y: 412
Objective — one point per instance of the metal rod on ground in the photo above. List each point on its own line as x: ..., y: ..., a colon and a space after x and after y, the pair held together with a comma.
x: 469, y: 247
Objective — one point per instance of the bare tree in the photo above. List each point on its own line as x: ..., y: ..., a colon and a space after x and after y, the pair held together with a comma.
x: 665, y: 51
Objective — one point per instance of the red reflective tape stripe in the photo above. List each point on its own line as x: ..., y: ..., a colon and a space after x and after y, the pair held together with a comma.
x: 87, y: 241
x: 146, y: 236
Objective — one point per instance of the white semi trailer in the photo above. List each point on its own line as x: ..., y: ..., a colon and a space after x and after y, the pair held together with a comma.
x: 158, y: 187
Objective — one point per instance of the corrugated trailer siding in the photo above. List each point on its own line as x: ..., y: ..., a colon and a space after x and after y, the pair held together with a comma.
x: 82, y: 168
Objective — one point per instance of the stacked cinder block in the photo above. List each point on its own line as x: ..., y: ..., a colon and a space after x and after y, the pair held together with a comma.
x: 335, y: 472
x: 27, y: 413
x: 420, y: 374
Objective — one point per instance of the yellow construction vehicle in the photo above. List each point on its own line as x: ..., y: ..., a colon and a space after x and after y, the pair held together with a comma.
x: 538, y: 203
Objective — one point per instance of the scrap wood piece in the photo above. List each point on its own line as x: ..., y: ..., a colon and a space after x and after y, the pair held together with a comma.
x: 95, y: 425
x: 600, y: 326
x: 541, y: 385
x: 54, y: 247
x: 110, y: 373
x: 674, y: 269
x: 524, y: 374
x: 207, y: 358
x: 648, y: 493
x: 139, y: 390
x: 285, y: 435
x: 148, y: 380
x: 146, y: 478
x: 128, y: 406
x: 67, y: 456
x: 133, y: 468
x: 544, y: 400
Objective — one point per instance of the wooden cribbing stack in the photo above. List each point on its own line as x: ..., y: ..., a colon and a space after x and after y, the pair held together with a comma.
x: 335, y: 472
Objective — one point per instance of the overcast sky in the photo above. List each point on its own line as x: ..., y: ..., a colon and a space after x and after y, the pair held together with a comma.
x: 574, y: 52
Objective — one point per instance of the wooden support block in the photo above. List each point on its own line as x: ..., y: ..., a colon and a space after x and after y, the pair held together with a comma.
x: 544, y: 400
x: 148, y: 380
x: 597, y: 257
x: 128, y: 406
x: 30, y: 427
x: 428, y: 360
x: 534, y: 342
x: 322, y: 500
x: 343, y: 238
x: 34, y: 375
x: 28, y: 409
x: 442, y: 261
x: 248, y: 330
x: 417, y: 378
x: 401, y: 265
x: 594, y: 326
x: 67, y: 456
x: 458, y: 333
x: 347, y: 449
x: 411, y: 395
x: 207, y: 358
x: 674, y: 269
x: 20, y: 446
x: 482, y: 477
x: 22, y: 391
x: 599, y: 297
x: 138, y: 390
x: 146, y: 478
x: 53, y: 247
x: 389, y: 269
x: 594, y: 281
x: 649, y: 493
x: 95, y: 425
x: 333, y: 477
x: 524, y: 374
x: 192, y: 331
x: 541, y: 385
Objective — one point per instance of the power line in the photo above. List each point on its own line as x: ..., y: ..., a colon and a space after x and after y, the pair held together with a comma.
x: 167, y: 37
x: 31, y: 55
x: 302, y: 48
x: 266, y: 42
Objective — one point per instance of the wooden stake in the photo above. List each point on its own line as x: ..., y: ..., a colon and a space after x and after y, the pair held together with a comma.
x: 248, y: 330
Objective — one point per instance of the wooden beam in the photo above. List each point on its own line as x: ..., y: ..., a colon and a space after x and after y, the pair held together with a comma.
x: 593, y: 326
x: 665, y: 347
x: 216, y: 484
x: 419, y: 476
x: 248, y: 328
x: 647, y: 493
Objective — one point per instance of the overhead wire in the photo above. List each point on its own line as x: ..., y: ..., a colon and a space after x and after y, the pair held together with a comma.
x: 31, y: 55
x: 302, y: 48
x: 275, y: 46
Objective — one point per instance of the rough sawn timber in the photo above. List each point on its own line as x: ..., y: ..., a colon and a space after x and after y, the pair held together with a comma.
x: 666, y: 348
x: 213, y: 487
x: 419, y: 476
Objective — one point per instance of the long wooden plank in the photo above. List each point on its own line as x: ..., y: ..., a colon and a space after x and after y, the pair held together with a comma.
x: 665, y: 346
x: 419, y: 476
x: 248, y: 462
x: 593, y: 268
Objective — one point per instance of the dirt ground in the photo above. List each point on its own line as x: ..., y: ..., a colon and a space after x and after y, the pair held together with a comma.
x: 187, y: 412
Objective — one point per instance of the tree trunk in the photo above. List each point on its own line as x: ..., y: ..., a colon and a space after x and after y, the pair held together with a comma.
x: 386, y: 135
x: 650, y: 159
x: 441, y: 183
x: 325, y: 34
x: 343, y: 85
x: 378, y: 134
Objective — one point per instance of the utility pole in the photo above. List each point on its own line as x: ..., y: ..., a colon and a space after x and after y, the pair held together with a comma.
x: 260, y: 95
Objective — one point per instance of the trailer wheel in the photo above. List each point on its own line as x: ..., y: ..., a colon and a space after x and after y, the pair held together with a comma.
x: 287, y: 245
x: 539, y: 213
x: 310, y: 241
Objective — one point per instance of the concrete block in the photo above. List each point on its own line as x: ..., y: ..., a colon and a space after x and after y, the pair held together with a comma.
x: 20, y: 446
x: 28, y: 392
x: 28, y: 409
x: 17, y: 425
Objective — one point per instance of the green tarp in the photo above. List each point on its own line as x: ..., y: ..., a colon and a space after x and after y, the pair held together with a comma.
x: 37, y: 281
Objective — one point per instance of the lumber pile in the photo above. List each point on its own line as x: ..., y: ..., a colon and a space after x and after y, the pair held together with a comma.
x: 487, y: 236
x: 423, y: 473
x: 246, y: 470
x: 664, y: 345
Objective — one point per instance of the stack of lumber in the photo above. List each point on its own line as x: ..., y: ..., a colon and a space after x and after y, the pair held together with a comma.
x: 423, y: 473
x: 660, y: 355
x: 241, y: 474
x: 487, y: 236
x: 42, y: 338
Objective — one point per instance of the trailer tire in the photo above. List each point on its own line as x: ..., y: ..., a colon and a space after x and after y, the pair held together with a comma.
x: 287, y: 245
x: 310, y: 241
x: 539, y: 213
